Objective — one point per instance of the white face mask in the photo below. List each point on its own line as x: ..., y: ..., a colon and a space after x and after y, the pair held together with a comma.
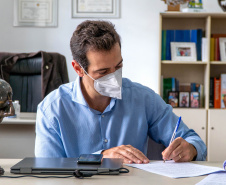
x: 109, y: 85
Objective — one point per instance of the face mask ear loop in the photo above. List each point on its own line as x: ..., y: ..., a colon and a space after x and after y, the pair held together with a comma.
x: 87, y: 73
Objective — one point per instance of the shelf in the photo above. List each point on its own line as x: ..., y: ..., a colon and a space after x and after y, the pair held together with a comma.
x: 217, y: 63
x: 25, y: 118
x: 192, y: 15
x: 183, y: 62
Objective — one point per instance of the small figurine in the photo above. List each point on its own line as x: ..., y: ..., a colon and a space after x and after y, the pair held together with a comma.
x: 6, y: 105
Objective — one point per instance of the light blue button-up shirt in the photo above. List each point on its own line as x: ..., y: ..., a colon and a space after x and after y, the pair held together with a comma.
x: 66, y: 126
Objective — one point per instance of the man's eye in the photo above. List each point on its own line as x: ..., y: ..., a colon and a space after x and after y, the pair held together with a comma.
x: 102, y: 73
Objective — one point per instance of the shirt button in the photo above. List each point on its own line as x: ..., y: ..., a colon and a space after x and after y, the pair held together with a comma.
x: 105, y: 140
x: 47, y: 67
x: 102, y: 116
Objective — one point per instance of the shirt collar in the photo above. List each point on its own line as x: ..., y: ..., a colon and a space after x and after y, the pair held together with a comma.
x: 79, y: 98
x: 77, y: 93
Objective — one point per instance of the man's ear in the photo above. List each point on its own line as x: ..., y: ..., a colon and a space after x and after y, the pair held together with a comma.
x: 77, y: 68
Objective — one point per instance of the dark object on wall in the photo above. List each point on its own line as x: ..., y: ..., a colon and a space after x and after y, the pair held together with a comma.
x: 222, y: 4
x: 6, y: 105
x: 33, y: 76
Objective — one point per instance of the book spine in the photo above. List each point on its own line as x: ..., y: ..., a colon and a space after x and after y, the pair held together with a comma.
x: 199, y: 44
x: 217, y: 92
x: 211, y: 98
x: 163, y: 44
x: 223, y: 91
x: 212, y: 49
x: 217, y: 51
x: 167, y: 86
x: 204, y: 50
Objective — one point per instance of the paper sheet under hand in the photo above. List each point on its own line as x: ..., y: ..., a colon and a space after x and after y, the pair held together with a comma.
x: 214, y: 179
x: 177, y: 170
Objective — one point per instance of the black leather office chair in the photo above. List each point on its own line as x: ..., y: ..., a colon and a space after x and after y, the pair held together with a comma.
x: 25, y: 80
x: 154, y: 150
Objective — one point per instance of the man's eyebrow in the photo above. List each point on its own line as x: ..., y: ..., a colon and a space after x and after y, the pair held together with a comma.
x: 108, y: 68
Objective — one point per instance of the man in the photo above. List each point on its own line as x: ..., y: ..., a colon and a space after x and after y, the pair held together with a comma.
x: 102, y: 113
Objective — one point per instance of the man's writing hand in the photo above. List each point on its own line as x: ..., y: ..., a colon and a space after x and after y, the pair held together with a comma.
x: 128, y: 153
x: 180, y: 151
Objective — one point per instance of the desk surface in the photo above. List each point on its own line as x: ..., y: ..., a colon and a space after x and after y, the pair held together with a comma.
x: 27, y: 118
x: 135, y: 176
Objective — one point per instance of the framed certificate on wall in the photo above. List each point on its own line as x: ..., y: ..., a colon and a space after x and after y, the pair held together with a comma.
x: 38, y: 13
x: 95, y: 8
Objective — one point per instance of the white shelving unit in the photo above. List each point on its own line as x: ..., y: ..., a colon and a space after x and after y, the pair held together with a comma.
x: 208, y: 123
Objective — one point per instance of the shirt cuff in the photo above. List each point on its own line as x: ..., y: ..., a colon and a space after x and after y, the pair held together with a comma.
x: 98, y: 152
x: 201, y: 155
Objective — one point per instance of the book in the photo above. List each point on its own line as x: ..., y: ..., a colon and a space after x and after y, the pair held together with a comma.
x: 185, y: 87
x: 163, y: 44
x: 223, y: 91
x: 217, y: 50
x: 169, y: 38
x: 217, y: 92
x: 204, y: 49
x: 211, y: 95
x: 212, y: 49
x: 196, y: 36
x: 167, y: 87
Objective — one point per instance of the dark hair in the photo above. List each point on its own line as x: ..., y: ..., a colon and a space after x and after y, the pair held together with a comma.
x: 92, y: 35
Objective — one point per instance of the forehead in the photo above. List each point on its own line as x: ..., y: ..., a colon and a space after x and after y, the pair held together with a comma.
x: 104, y: 59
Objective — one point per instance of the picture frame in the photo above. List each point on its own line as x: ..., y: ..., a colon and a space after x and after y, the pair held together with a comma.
x: 222, y: 41
x: 173, y: 98
x: 184, y: 99
x: 95, y: 9
x: 194, y: 100
x: 35, y: 13
x: 183, y: 51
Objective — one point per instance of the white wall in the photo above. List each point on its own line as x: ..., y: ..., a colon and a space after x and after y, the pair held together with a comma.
x: 138, y: 27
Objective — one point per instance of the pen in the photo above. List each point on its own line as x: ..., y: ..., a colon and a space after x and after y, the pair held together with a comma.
x: 175, y: 131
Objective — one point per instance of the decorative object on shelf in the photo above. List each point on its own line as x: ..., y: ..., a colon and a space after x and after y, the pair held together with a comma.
x: 195, y: 99
x: 35, y: 13
x: 222, y: 4
x: 173, y: 98
x: 183, y: 51
x: 194, y: 6
x: 174, y: 5
x: 183, y: 99
x: 94, y: 8
x: 222, y: 41
x: 6, y: 105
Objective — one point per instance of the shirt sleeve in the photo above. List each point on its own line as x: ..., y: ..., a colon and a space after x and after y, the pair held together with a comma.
x: 162, y: 122
x: 48, y: 141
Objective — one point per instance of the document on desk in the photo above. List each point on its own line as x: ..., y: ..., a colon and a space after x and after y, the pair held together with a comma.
x: 216, y: 179
x: 177, y: 170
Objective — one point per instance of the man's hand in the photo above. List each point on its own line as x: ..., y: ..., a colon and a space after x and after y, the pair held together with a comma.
x: 128, y: 153
x: 180, y: 151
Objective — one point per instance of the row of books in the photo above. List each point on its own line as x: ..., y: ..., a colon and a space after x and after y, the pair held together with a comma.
x: 172, y: 88
x: 218, y: 92
x: 181, y: 36
x: 215, y: 54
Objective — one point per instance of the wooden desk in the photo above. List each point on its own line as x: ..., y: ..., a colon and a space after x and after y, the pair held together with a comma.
x: 134, y: 177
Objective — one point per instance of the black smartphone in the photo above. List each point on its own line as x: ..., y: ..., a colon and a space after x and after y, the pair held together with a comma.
x: 90, y: 159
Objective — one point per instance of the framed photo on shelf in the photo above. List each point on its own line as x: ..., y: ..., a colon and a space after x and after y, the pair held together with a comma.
x: 222, y: 41
x: 95, y: 9
x: 183, y: 51
x: 195, y: 99
x: 173, y: 98
x: 35, y: 13
x: 184, y: 99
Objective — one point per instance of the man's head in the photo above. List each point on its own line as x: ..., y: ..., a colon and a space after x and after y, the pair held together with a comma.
x: 92, y: 36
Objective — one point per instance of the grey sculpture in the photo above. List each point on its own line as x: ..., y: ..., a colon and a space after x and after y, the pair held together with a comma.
x: 6, y: 105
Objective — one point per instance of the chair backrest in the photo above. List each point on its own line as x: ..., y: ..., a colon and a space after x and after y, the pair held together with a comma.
x: 154, y: 150
x: 25, y: 80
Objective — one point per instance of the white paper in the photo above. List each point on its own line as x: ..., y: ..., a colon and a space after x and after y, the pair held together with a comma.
x: 214, y: 179
x: 177, y: 170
